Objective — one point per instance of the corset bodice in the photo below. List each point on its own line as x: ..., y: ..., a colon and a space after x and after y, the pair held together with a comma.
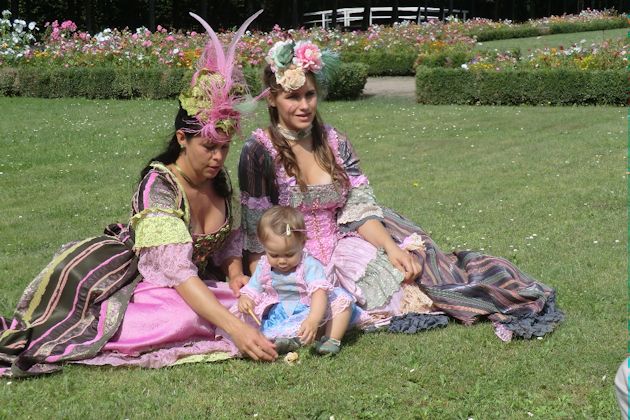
x: 319, y: 204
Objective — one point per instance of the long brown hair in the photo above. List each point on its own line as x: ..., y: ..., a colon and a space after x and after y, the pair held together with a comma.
x: 321, y: 149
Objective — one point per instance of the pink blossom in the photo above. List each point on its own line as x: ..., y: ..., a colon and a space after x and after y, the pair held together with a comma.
x: 308, y: 56
x: 193, y: 33
x: 170, y: 38
x: 159, y: 28
x: 147, y: 43
x: 70, y: 25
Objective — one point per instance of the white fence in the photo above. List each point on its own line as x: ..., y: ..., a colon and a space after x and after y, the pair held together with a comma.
x: 353, y: 16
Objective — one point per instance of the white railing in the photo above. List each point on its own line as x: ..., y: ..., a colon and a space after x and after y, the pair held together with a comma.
x: 347, y: 16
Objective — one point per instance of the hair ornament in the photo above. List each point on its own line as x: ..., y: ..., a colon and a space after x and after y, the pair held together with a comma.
x: 290, y: 61
x: 289, y: 230
x: 218, y: 94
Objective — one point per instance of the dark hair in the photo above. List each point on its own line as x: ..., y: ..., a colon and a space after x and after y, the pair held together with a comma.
x: 190, y: 126
x: 321, y: 150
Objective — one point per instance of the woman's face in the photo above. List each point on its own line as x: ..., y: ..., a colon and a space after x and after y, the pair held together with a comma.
x: 297, y: 108
x: 202, y: 155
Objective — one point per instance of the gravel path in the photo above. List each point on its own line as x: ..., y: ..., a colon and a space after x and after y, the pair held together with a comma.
x: 390, y: 86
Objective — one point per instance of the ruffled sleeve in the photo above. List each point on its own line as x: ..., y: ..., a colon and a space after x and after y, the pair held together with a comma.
x: 259, y: 192
x: 160, y: 213
x: 315, y: 276
x: 167, y: 265
x: 361, y: 204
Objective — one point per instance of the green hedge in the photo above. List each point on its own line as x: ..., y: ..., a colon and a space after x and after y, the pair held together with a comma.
x: 117, y: 83
x: 348, y: 82
x: 93, y: 83
x: 516, y: 87
x: 382, y: 62
x: 525, y: 30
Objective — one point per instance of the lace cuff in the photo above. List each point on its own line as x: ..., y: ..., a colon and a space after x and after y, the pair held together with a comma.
x: 361, y: 204
x: 154, y: 227
x: 249, y: 222
x: 319, y: 284
x: 167, y: 265
x: 232, y: 247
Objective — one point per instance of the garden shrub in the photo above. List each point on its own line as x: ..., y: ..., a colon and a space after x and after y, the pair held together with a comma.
x: 594, y: 25
x: 382, y: 62
x: 7, y: 81
x: 493, y: 34
x: 126, y: 83
x: 523, y: 86
x: 348, y: 82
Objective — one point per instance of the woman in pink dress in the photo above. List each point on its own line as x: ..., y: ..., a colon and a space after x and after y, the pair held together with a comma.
x: 391, y: 266
x: 152, y: 293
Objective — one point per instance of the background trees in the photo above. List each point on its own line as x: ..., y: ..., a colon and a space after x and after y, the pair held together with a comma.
x: 95, y: 15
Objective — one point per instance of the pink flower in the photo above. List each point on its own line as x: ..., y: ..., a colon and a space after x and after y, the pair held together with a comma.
x: 159, y: 28
x: 70, y: 25
x: 193, y: 33
x: 170, y: 38
x: 308, y: 56
x: 147, y: 43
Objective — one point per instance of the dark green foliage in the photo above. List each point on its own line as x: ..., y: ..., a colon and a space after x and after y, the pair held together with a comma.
x: 92, y: 82
x: 595, y: 25
x: 493, y: 34
x: 253, y: 78
x: 120, y: 83
x: 384, y: 62
x: 348, y: 82
x: 516, y: 87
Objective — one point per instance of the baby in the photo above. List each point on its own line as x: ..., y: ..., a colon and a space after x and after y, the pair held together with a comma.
x: 289, y: 291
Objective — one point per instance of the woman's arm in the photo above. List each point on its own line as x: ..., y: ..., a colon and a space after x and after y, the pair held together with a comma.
x: 252, y: 260
x: 375, y: 233
x: 248, y: 339
x: 233, y: 269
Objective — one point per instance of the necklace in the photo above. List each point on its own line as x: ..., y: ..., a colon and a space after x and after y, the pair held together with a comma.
x: 294, y: 135
x: 186, y: 177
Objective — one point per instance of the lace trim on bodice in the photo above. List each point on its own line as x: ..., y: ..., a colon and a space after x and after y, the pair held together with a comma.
x: 318, y: 203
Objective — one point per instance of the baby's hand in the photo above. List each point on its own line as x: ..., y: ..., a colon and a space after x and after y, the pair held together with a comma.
x: 308, y: 330
x: 245, y: 304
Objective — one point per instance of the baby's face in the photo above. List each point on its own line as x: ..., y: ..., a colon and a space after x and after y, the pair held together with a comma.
x: 283, y: 253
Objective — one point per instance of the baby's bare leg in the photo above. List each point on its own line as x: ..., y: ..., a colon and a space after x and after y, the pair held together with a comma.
x: 336, y: 327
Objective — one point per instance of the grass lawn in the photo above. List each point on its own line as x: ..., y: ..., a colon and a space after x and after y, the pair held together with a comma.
x: 555, y: 40
x: 542, y: 186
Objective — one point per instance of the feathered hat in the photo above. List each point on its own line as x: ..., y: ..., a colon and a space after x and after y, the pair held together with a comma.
x: 218, y: 94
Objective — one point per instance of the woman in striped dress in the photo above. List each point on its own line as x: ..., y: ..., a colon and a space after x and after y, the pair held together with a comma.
x: 152, y: 293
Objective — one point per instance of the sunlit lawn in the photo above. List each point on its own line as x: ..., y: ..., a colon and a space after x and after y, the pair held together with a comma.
x: 544, y: 187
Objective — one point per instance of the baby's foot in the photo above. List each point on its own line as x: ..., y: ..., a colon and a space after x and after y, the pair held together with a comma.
x: 327, y: 346
x: 285, y: 345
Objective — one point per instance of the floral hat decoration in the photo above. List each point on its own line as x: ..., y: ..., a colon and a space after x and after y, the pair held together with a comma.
x: 290, y: 61
x: 218, y: 94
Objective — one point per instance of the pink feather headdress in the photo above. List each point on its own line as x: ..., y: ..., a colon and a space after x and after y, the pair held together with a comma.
x: 217, y: 93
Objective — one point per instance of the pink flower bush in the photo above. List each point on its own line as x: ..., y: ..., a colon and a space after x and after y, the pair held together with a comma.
x: 63, y: 43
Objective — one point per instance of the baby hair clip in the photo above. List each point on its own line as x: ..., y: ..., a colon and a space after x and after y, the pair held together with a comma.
x: 289, y: 230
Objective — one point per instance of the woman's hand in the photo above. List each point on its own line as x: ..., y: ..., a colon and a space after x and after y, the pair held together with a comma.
x: 236, y: 282
x: 308, y: 330
x: 245, y: 304
x: 252, y: 343
x: 404, y: 261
